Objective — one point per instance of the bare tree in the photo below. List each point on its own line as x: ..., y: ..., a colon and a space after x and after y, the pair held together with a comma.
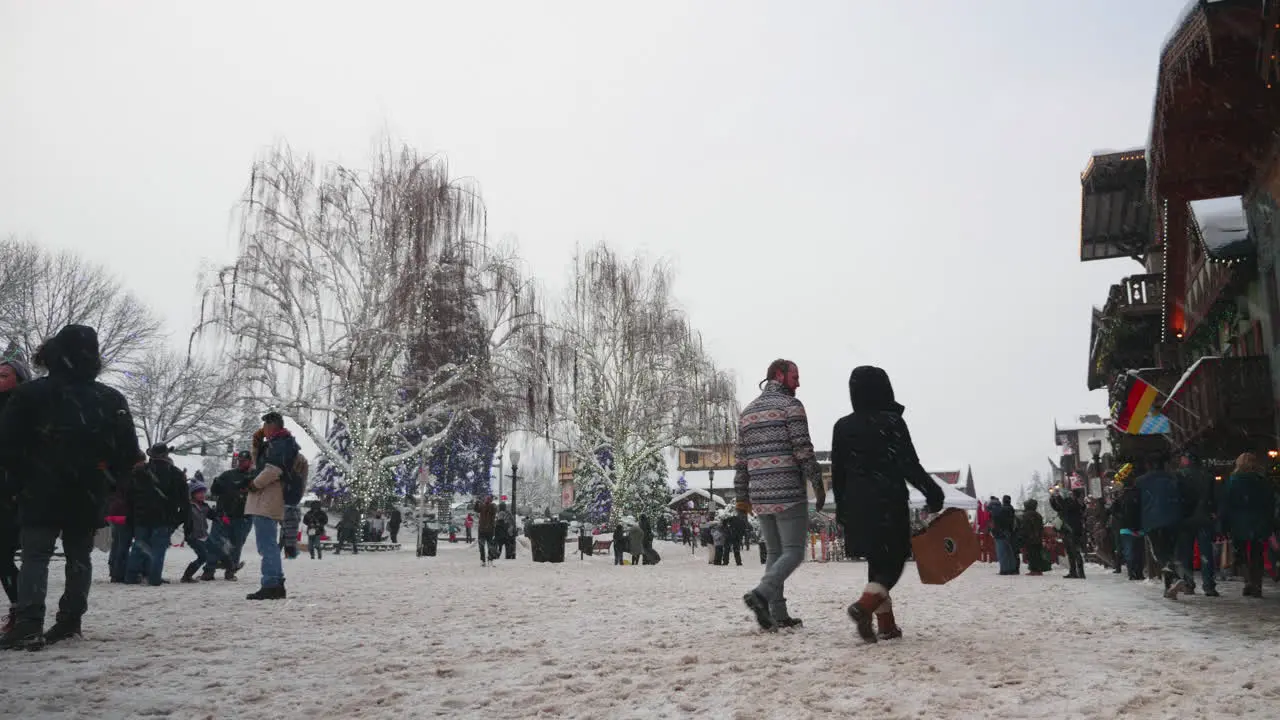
x: 182, y: 401
x: 631, y: 379
x: 40, y: 292
x: 328, y: 314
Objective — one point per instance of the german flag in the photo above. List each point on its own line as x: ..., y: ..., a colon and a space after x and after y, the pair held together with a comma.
x: 1136, y: 407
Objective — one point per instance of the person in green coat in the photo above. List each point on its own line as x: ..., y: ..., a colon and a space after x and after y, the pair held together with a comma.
x: 1032, y: 526
x: 1248, y: 512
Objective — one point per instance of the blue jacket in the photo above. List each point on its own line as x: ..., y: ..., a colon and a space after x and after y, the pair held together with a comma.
x: 1249, y: 507
x: 1161, y: 500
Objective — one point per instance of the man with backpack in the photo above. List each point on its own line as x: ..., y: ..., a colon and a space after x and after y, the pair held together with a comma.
x: 280, y: 482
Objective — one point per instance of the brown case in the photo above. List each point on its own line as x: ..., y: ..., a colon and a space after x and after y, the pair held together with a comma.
x: 946, y: 548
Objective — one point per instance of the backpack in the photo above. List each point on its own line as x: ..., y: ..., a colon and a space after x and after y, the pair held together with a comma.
x: 294, y: 480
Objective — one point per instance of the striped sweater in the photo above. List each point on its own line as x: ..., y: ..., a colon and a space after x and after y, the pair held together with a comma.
x: 775, y: 456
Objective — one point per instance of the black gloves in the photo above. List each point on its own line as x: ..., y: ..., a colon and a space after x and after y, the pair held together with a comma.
x: 935, y: 501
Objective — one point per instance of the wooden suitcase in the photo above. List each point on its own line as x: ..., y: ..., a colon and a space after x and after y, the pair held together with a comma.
x: 946, y: 548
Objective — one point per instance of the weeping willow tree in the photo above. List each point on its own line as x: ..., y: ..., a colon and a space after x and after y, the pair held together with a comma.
x: 632, y: 380
x: 369, y: 301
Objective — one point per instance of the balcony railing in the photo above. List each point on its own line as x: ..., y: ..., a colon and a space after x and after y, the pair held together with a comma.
x: 1223, y: 397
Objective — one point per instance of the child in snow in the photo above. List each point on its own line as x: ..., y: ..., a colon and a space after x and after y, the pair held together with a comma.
x: 196, y: 531
x: 619, y: 544
x: 315, y: 520
x: 718, y: 541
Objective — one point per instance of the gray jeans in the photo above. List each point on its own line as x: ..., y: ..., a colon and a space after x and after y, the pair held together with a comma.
x: 784, y: 534
x: 33, y: 579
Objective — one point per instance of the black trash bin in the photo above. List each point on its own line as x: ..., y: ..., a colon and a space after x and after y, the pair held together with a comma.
x: 428, y: 540
x: 546, y: 541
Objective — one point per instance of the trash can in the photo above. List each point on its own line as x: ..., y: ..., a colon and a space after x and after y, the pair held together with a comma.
x: 428, y: 539
x: 546, y: 541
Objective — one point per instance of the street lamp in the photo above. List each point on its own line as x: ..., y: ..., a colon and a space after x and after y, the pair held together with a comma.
x: 1095, y: 449
x: 515, y: 465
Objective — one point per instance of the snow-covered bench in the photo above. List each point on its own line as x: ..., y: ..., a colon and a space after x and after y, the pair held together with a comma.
x: 332, y: 545
x: 601, y: 546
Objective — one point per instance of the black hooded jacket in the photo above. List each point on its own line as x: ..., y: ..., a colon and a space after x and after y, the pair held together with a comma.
x: 66, y: 437
x: 872, y: 459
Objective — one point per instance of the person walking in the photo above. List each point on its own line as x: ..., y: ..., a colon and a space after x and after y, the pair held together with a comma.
x: 1198, y: 489
x: 265, y: 505
x: 488, y: 515
x: 13, y: 372
x: 468, y: 523
x: 1249, y: 513
x: 63, y: 440
x: 196, y: 531
x: 230, y: 525
x: 159, y: 503
x: 315, y: 520
x: 775, y: 464
x: 872, y: 461
x: 393, y: 524
x: 1162, y: 517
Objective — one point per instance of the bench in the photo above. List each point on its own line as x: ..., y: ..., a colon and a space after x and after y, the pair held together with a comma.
x: 601, y: 546
x: 332, y: 545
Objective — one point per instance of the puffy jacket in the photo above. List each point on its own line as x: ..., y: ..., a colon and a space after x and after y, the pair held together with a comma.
x: 65, y: 438
x: 158, y: 496
x: 1249, y: 507
x: 1161, y: 500
x: 230, y: 489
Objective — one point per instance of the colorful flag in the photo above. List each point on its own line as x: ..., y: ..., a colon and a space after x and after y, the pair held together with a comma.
x: 1136, y: 407
x: 1155, y: 424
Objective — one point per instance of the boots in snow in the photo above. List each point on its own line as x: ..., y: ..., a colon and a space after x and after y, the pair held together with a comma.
x: 757, y: 604
x: 208, y: 575
x: 861, y: 611
x: 23, y: 636
x: 189, y: 577
x: 63, y: 629
x: 782, y: 617
x: 271, y: 593
x: 887, y: 628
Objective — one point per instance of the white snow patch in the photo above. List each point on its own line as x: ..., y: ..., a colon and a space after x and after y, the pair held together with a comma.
x: 389, y: 635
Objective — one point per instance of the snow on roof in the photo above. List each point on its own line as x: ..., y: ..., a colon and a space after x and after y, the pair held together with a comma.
x: 1080, y: 427
x: 1222, y: 224
x: 1186, y: 377
x: 1126, y: 151
x: 698, y: 493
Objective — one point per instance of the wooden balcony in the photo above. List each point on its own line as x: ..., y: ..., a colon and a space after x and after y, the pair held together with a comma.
x: 1135, y: 295
x: 1223, y: 406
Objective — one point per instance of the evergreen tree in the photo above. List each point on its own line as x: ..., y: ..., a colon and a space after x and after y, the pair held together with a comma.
x: 643, y: 492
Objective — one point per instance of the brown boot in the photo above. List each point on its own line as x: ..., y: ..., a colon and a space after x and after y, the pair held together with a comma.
x: 861, y: 611
x: 888, y: 628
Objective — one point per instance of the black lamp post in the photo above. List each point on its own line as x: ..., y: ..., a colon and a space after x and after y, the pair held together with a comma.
x: 515, y: 466
x: 711, y: 490
x: 1095, y: 449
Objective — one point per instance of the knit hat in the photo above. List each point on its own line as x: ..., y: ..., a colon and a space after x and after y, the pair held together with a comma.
x: 198, y: 487
x: 159, y: 450
x: 19, y: 368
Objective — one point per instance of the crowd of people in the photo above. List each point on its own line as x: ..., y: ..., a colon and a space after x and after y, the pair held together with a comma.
x: 1155, y: 522
x: 70, y: 464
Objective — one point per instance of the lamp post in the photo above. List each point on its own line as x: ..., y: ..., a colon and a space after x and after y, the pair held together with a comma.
x: 515, y: 466
x: 711, y: 490
x: 1095, y: 449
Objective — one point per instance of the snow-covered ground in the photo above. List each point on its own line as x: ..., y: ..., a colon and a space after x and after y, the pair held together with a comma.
x: 389, y: 635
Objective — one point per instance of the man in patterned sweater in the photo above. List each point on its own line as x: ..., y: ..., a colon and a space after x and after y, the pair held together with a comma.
x: 775, y: 465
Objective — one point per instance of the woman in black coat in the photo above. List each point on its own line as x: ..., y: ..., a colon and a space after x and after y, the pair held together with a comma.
x: 871, y: 457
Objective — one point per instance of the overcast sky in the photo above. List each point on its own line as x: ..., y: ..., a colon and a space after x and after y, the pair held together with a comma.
x: 841, y: 183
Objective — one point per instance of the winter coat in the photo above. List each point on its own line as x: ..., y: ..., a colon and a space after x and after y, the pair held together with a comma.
x: 1249, y: 507
x: 1004, y: 522
x: 1032, y: 528
x: 316, y: 520
x: 197, y: 524
x: 393, y: 523
x: 65, y: 438
x: 647, y: 528
x: 230, y: 490
x: 8, y: 488
x: 266, y: 491
x: 1161, y: 500
x: 775, y: 458
x: 1071, y: 512
x: 619, y: 539
x: 158, y: 496
x: 1130, y: 508
x: 488, y: 513
x: 635, y: 540
x: 872, y: 460
x: 1197, y: 488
